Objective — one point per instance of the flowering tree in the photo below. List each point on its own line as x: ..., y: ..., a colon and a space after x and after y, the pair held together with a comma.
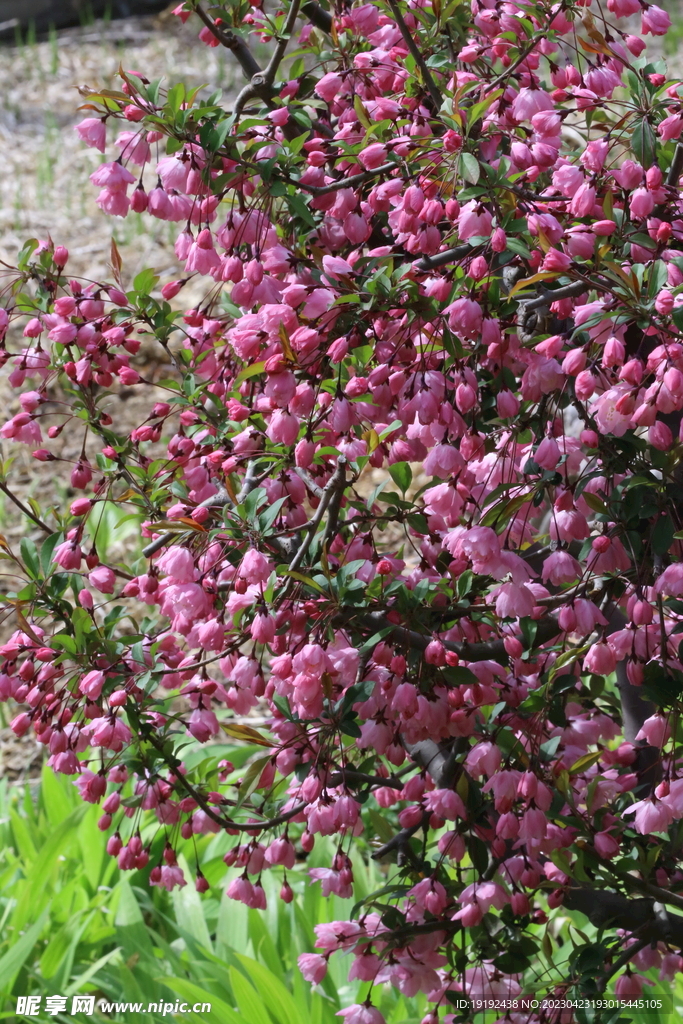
x: 412, y: 487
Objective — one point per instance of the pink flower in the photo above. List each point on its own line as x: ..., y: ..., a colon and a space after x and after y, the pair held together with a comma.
x: 629, y: 175
x: 263, y: 629
x: 583, y: 201
x: 203, y: 724
x: 103, y: 579
x: 528, y: 102
x: 446, y: 803
x: 670, y: 582
x: 364, y: 19
x: 623, y: 8
x: 656, y: 730
x: 202, y: 257
x: 329, y: 86
x: 178, y: 563
x: 283, y: 428
x: 115, y: 203
x: 556, y: 261
x: 313, y: 966
x: 484, y: 759
x: 600, y: 659
x: 514, y: 602
x: 112, y: 176
x: 594, y: 155
x: 465, y: 317
x: 606, y: 845
x: 547, y: 455
x: 560, y: 567
x: 68, y: 555
x: 671, y: 127
x: 641, y: 203
x: 211, y: 636
x: 91, y: 684
x: 336, y: 267
x: 429, y: 894
x: 652, y: 815
x: 111, y: 733
x: 92, y: 131
x: 361, y: 1014
x: 654, y: 21
x: 474, y: 219
x: 373, y: 156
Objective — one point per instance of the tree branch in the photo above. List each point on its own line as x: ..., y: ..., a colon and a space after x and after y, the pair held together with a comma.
x: 676, y: 166
x: 350, y: 182
x: 261, y: 82
x: 494, y: 650
x: 439, y: 759
x: 332, y: 495
x: 442, y: 258
x: 409, y: 40
x: 233, y: 43
x: 313, y: 487
x: 641, y: 915
x: 173, y: 763
x: 567, y: 291
x: 27, y: 511
x: 400, y: 842
x: 317, y: 16
x: 635, y: 709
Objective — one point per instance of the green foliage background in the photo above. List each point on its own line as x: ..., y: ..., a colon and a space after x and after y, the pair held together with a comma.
x: 71, y: 922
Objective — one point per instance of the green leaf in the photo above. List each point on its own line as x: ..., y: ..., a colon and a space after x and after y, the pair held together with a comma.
x: 643, y: 143
x: 47, y: 550
x: 585, y: 762
x: 249, y: 1004
x: 276, y: 997
x: 176, y: 97
x: 15, y: 957
x: 145, y: 281
x: 502, y: 512
x: 251, y: 778
x: 480, y: 108
x: 249, y: 371
x: 220, y: 1012
x: 469, y: 168
x: 188, y: 909
x: 296, y: 145
x: 402, y: 475
x: 29, y: 553
x: 595, y: 503
x: 298, y: 209
x: 284, y: 571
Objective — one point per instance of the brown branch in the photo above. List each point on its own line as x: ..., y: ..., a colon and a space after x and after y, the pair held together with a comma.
x: 494, y: 650
x: 642, y: 915
x: 317, y: 16
x: 565, y: 292
x: 676, y: 166
x: 439, y: 759
x: 331, y: 496
x: 27, y: 511
x: 440, y: 259
x: 350, y: 182
x: 233, y: 43
x: 400, y: 842
x: 409, y: 40
x: 173, y: 763
x: 634, y: 712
